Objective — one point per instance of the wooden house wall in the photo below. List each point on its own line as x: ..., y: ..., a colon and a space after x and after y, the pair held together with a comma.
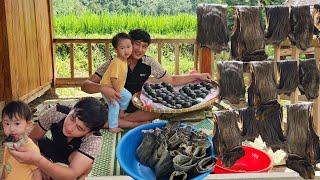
x: 28, y: 39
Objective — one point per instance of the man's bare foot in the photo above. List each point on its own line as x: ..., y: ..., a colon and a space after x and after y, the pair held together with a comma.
x: 115, y: 130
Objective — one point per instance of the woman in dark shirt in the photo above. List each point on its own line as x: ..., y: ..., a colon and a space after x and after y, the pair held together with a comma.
x: 75, y: 141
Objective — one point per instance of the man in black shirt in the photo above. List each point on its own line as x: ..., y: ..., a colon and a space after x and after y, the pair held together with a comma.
x: 140, y: 68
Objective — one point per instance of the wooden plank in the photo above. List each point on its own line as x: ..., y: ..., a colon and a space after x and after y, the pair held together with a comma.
x: 195, y: 55
x: 71, y: 51
x: 17, y: 48
x: 316, y: 105
x: 69, y: 82
x: 32, y: 66
x: 176, y: 57
x: 32, y: 95
x: 5, y: 78
x: 159, y: 51
x: 206, y: 57
x: 107, y: 50
x: 53, y: 49
x: 89, y: 58
x: 295, y: 55
x: 44, y: 40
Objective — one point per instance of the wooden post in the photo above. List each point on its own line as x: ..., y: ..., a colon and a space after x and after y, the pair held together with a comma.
x: 72, y: 60
x: 176, y: 57
x: 106, y: 50
x: 294, y: 98
x: 159, y: 52
x: 205, y: 65
x: 53, y: 48
x: 316, y: 105
x: 89, y: 58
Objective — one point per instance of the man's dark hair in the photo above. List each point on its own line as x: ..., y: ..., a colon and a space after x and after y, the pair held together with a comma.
x: 118, y: 37
x: 92, y: 112
x: 17, y: 109
x: 140, y: 35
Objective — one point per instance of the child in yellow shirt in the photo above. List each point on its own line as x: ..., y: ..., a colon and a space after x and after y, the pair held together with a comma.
x: 115, y: 77
x: 16, y: 118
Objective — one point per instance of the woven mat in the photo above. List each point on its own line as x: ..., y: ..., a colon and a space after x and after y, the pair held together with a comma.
x: 106, y: 163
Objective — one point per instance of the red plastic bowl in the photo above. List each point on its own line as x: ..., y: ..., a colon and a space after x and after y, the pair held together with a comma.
x: 254, y: 160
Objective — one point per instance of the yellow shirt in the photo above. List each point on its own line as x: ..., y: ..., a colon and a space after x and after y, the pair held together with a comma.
x: 117, y: 69
x: 13, y: 170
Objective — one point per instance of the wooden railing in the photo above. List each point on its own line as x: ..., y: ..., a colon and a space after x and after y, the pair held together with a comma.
x: 73, y: 81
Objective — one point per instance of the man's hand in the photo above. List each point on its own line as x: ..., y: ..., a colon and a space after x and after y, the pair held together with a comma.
x: 110, y: 93
x: 25, y: 155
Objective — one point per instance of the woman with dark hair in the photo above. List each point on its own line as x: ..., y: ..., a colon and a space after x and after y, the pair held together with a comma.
x: 75, y: 141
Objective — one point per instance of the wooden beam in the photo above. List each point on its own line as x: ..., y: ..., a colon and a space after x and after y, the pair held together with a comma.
x: 35, y: 93
x: 176, y: 57
x: 206, y: 57
x: 70, y: 82
x: 53, y: 46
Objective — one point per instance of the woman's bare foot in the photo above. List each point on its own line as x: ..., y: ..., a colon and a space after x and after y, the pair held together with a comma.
x: 115, y: 130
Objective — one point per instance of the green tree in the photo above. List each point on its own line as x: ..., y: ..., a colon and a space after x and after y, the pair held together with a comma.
x: 64, y: 7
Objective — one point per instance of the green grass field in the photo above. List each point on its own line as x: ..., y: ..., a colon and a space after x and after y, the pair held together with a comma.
x: 89, y: 25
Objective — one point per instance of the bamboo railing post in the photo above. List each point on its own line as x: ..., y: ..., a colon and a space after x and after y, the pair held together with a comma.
x: 176, y: 57
x: 316, y: 105
x: 160, y: 45
x: 89, y: 58
x: 294, y: 98
x: 72, y: 60
x: 106, y: 50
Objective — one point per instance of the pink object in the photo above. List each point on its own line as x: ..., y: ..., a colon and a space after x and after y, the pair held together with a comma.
x: 253, y: 161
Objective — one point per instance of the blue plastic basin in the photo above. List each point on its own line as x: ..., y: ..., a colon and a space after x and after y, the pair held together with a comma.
x: 126, y: 154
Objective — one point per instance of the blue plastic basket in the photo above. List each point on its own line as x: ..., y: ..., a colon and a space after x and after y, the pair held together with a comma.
x: 126, y: 154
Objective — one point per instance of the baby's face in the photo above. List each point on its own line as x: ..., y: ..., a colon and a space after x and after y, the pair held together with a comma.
x: 124, y: 49
x: 16, y: 126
